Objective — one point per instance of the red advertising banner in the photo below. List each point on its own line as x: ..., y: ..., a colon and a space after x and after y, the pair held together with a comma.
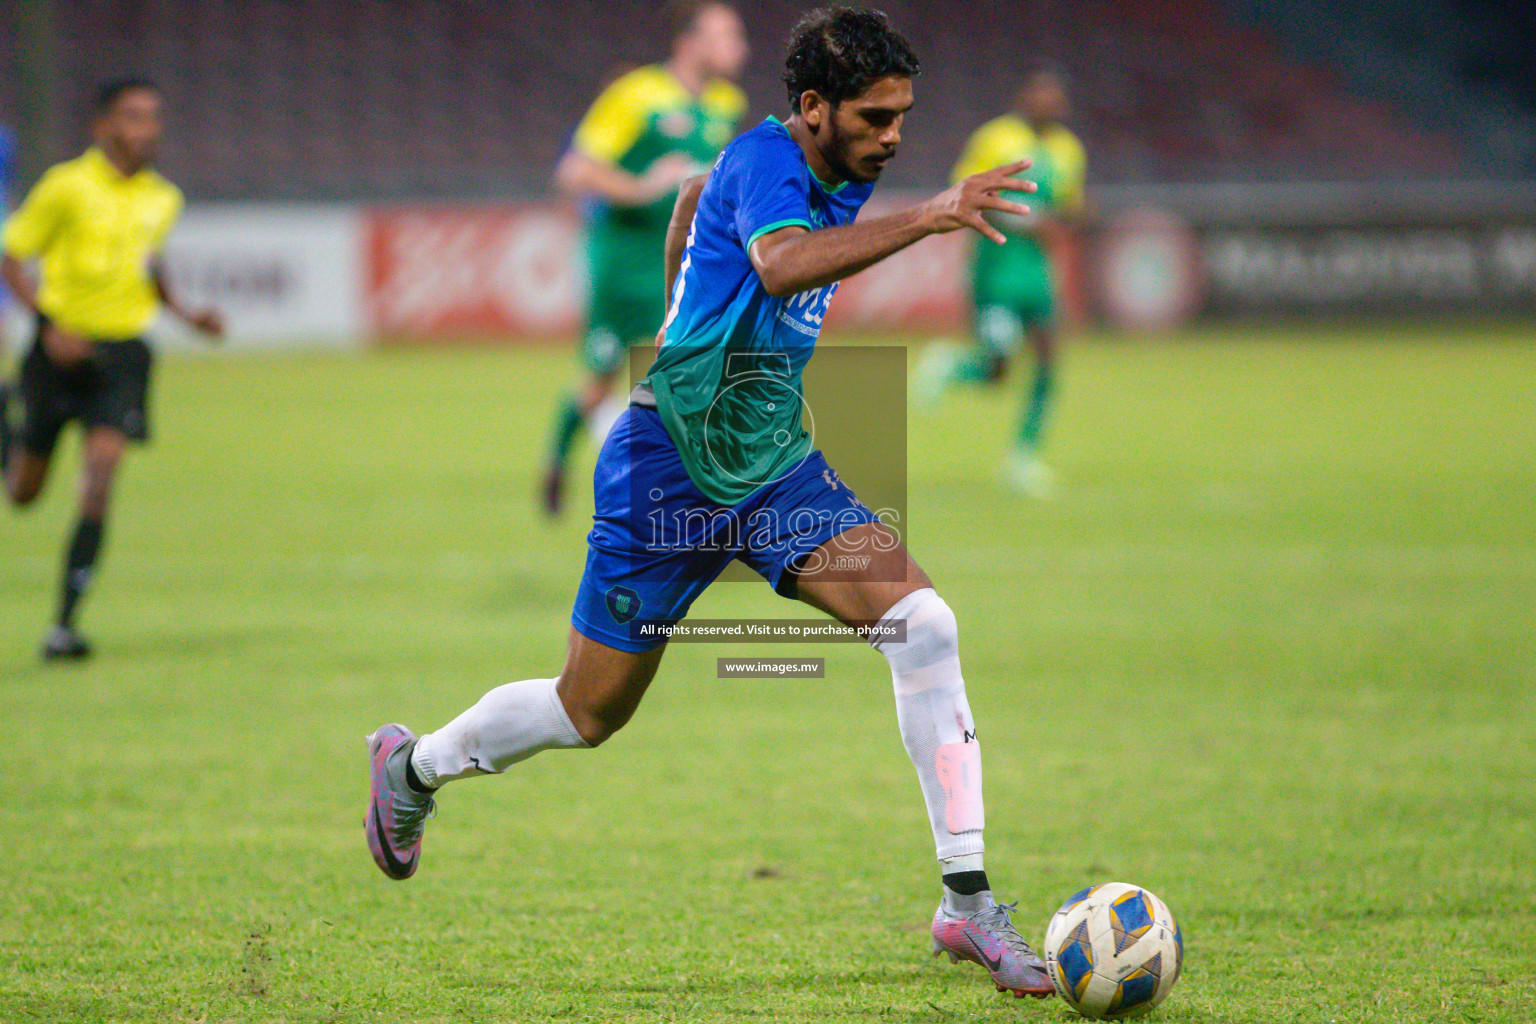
x: 920, y: 289
x: 517, y: 271
x: 485, y: 270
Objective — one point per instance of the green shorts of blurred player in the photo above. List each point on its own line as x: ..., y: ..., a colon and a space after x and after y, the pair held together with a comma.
x: 616, y: 321
x: 1015, y: 307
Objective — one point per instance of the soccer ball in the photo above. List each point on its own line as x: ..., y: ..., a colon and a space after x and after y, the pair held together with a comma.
x: 1113, y: 950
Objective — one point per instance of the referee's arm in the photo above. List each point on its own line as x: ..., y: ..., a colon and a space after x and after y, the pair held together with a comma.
x: 209, y: 321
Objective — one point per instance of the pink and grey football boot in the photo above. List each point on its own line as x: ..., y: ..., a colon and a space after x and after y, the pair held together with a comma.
x: 397, y: 814
x: 977, y: 928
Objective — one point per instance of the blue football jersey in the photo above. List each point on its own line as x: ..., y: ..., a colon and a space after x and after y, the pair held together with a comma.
x: 727, y: 378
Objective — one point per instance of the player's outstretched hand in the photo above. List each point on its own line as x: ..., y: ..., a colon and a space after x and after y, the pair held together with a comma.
x: 961, y: 205
x: 210, y: 322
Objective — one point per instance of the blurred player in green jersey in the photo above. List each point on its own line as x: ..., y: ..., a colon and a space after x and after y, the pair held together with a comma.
x: 1012, y: 285
x: 643, y: 135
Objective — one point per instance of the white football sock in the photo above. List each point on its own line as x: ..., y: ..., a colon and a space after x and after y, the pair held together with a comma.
x: 964, y: 862
x: 507, y: 725
x: 936, y: 724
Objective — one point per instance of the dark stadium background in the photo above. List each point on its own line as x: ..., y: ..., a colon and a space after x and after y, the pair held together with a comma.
x: 1281, y: 156
x: 287, y: 99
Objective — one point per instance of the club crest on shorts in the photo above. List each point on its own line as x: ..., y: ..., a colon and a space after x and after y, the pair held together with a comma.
x: 623, y: 603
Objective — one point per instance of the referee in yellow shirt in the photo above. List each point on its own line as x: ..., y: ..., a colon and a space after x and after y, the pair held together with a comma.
x: 95, y: 225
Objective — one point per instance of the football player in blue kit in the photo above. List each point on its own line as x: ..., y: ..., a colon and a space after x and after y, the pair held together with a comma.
x: 711, y: 462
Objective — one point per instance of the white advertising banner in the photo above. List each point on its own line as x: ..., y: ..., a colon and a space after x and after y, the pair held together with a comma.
x: 285, y: 276
x: 339, y: 277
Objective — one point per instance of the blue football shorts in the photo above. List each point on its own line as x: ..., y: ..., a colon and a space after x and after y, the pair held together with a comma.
x: 657, y: 541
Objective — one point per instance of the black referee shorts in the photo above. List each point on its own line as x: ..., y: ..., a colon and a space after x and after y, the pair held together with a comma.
x: 111, y: 389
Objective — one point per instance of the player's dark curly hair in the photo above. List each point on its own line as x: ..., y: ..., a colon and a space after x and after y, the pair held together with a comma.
x: 839, y: 51
x: 108, y: 92
x: 1045, y: 67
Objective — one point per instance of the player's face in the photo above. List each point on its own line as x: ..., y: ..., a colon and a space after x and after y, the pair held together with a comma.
x: 133, y: 126
x: 866, y: 130
x: 1045, y: 99
x: 722, y: 41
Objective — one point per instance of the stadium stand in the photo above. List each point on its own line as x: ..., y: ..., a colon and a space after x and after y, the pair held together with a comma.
x: 382, y: 99
x: 1466, y: 67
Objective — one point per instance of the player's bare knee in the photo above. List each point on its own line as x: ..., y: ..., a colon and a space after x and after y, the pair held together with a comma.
x: 22, y: 494
x: 594, y: 717
x: 21, y: 487
x: 596, y: 724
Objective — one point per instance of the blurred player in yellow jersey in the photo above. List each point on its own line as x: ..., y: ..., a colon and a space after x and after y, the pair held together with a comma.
x: 96, y: 225
x: 643, y: 135
x: 1012, y: 286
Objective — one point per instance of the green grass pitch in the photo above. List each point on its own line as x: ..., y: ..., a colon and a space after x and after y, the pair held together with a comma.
x: 1271, y: 654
